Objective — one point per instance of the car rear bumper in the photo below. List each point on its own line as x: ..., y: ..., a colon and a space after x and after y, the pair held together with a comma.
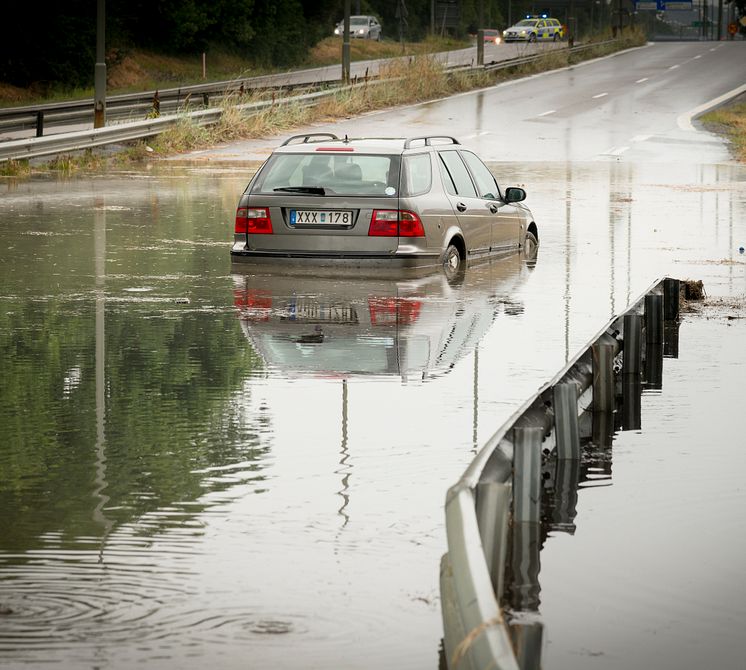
x: 246, y: 258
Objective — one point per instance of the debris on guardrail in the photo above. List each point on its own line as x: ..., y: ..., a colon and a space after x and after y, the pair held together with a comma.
x: 693, y: 290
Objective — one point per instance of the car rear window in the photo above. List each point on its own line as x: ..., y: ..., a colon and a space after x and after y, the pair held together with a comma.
x: 337, y: 173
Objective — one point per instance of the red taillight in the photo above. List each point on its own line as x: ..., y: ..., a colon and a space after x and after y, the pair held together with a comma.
x: 253, y: 220
x: 395, y: 223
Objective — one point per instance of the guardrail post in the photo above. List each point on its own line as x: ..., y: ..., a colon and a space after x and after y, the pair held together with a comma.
x: 206, y: 99
x: 671, y: 339
x: 493, y: 501
x: 603, y: 377
x: 156, y: 105
x: 654, y: 365
x: 631, y: 402
x: 632, y: 345
x: 566, y: 420
x: 565, y: 495
x: 528, y: 642
x: 525, y: 563
x: 527, y: 474
x: 480, y: 47
x: 671, y: 289
x: 654, y: 319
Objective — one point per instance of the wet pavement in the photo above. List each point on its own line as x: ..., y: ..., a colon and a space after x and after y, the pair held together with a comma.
x: 201, y: 464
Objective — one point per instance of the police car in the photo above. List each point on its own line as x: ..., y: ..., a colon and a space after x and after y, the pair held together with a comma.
x: 535, y: 29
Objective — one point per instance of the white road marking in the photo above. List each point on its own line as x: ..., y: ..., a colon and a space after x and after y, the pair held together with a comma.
x: 600, y: 95
x: 483, y: 132
x: 700, y: 56
x: 551, y: 111
x: 639, y: 81
x: 641, y: 138
x: 673, y: 67
x: 712, y: 49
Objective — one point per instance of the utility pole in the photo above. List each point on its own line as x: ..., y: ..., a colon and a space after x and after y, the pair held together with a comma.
x: 346, y: 45
x: 99, y: 73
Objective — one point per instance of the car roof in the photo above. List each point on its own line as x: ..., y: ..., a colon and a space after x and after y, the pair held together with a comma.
x: 313, y: 142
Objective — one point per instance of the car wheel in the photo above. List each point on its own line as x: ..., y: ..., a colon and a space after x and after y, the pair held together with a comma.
x: 556, y: 37
x: 532, y: 37
x: 530, y: 247
x: 453, y: 265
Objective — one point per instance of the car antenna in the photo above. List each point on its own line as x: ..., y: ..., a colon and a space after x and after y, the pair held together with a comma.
x: 346, y: 140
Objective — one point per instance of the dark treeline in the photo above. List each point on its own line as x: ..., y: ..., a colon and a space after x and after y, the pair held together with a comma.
x: 54, y: 43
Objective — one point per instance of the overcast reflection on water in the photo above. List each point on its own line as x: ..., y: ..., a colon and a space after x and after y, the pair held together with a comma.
x: 184, y: 479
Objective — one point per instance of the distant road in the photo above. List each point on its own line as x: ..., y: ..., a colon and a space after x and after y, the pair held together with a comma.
x: 634, y: 105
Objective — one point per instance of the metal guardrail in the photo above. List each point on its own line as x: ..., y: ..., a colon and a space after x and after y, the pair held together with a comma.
x: 136, y: 130
x: 125, y: 132
x: 500, y: 492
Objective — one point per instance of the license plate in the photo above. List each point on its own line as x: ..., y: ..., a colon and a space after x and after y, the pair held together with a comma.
x: 324, y: 217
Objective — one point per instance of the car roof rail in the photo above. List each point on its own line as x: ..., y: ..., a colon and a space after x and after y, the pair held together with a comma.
x: 428, y: 140
x: 304, y: 139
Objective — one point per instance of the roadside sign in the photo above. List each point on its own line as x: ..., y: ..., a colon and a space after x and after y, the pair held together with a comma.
x: 664, y: 5
x: 732, y: 28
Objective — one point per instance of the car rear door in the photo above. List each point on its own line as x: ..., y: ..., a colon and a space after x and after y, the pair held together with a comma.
x: 505, y: 220
x: 473, y: 213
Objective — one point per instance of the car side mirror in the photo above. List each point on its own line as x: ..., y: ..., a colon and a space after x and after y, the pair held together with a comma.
x: 514, y: 194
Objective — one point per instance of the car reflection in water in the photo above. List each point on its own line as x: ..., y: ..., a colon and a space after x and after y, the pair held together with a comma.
x: 341, y: 326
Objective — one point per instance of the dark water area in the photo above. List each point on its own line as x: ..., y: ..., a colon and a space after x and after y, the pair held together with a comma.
x: 199, y: 465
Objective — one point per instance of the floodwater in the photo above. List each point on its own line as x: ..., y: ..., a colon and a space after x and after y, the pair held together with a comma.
x: 648, y: 573
x: 206, y: 466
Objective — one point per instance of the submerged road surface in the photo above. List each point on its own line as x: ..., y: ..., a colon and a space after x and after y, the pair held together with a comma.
x: 201, y: 467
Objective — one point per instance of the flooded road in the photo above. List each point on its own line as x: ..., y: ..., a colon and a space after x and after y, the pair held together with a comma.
x: 207, y: 466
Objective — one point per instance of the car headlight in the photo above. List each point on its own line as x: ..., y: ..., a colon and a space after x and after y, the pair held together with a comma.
x: 523, y: 32
x: 361, y: 31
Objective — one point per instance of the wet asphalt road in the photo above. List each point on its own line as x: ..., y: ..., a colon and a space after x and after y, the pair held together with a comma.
x: 633, y: 106
x: 193, y: 475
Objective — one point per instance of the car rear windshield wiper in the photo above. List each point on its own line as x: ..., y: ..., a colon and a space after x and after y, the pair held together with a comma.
x: 312, y: 190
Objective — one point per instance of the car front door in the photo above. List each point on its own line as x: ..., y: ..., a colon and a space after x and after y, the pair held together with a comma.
x: 505, y: 220
x: 473, y: 213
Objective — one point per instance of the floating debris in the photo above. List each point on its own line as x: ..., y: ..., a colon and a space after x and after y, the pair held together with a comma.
x: 693, y: 289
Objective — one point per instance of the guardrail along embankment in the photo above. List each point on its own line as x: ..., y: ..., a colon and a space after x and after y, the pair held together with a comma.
x: 493, y: 512
x: 130, y: 109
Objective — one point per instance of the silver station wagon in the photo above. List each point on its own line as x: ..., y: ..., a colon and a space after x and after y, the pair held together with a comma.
x: 422, y: 202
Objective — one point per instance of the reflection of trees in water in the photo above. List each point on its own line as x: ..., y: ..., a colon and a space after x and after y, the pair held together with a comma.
x: 169, y: 415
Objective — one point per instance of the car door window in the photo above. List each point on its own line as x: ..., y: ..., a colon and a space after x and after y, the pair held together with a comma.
x: 418, y: 176
x: 459, y: 176
x: 486, y: 184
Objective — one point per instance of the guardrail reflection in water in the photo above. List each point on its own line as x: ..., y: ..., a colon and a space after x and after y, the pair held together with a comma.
x: 524, y: 483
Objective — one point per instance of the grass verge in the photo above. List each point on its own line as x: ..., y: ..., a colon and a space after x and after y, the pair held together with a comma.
x: 730, y: 121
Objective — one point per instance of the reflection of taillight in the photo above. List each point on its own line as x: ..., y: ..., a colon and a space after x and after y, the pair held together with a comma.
x: 395, y: 223
x: 253, y: 220
x: 389, y: 311
x: 254, y: 305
